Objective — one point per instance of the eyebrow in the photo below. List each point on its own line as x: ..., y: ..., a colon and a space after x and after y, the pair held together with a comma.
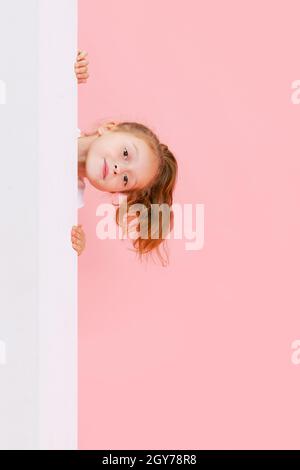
x: 134, y: 184
x: 136, y: 149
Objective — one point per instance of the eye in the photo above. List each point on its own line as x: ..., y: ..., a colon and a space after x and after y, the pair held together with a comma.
x: 125, y: 179
x: 125, y: 151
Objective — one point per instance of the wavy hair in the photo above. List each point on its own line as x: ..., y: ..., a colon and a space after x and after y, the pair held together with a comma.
x: 154, y: 201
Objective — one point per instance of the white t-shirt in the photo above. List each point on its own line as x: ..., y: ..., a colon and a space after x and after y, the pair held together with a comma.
x: 81, y: 184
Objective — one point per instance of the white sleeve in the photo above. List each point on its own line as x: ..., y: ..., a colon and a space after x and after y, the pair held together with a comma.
x: 80, y: 199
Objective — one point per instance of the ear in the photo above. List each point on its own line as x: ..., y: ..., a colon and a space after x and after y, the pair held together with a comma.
x: 109, y: 125
x: 101, y: 130
x: 106, y: 127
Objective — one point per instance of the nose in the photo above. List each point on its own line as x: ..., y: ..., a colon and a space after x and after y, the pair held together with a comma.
x: 117, y: 169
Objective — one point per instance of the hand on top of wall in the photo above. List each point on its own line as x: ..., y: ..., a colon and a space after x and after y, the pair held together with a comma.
x: 78, y: 238
x: 81, y: 67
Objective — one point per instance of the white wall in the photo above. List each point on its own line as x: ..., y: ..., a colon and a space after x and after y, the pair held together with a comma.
x: 38, y: 197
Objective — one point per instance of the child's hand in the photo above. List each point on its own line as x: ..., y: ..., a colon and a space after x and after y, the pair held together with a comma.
x: 80, y: 67
x: 78, y: 238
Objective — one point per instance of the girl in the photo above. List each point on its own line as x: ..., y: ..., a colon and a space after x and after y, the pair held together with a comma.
x: 127, y: 158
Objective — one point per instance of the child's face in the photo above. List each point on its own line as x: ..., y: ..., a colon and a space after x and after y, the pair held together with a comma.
x: 129, y: 162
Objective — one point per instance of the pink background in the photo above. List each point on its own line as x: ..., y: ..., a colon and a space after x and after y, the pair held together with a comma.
x: 196, y: 355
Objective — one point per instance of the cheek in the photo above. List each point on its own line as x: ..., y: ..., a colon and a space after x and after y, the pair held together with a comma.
x: 93, y: 165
